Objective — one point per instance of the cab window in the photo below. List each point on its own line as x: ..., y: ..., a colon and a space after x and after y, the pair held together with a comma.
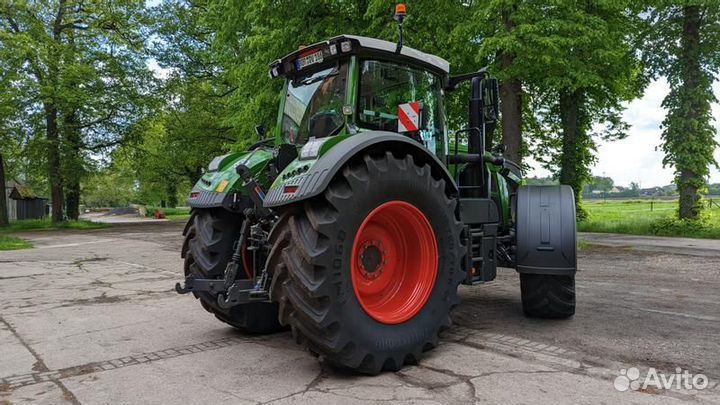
x: 385, y: 85
x: 313, y: 104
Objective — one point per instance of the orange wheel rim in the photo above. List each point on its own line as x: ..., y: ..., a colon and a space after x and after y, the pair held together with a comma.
x: 394, y: 262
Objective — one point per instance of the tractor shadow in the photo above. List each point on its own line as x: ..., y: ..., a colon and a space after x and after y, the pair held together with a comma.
x: 496, y: 307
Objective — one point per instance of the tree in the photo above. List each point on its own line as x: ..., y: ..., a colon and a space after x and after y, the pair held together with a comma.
x: 194, y: 124
x: 165, y: 161
x: 84, y: 60
x: 598, y: 184
x: 541, y: 181
x: 37, y: 43
x: 565, y: 68
x: 496, y: 26
x: 4, y: 221
x: 684, y: 46
x: 5, y: 111
x: 582, y: 64
x: 12, y: 100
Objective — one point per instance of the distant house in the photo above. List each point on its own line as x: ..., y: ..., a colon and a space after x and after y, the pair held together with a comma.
x: 651, y: 192
x: 22, y: 202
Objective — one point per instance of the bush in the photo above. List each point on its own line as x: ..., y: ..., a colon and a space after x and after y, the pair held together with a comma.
x: 683, y: 227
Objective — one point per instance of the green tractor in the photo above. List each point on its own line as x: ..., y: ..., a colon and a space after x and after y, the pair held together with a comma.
x: 356, y: 222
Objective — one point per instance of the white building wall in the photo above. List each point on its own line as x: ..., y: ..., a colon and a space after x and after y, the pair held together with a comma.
x: 12, y: 209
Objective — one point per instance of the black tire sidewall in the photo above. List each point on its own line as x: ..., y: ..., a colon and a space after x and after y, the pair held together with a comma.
x: 426, y: 194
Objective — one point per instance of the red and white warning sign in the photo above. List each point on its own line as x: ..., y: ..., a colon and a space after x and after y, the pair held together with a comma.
x: 409, y: 116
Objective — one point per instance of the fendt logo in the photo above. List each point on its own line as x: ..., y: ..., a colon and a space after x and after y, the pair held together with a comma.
x: 630, y: 379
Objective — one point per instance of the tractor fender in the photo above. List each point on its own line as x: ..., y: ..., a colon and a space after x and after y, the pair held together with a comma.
x: 319, y: 176
x: 546, y: 230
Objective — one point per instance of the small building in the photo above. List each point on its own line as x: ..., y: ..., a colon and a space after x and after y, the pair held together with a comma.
x: 22, y: 203
x: 651, y: 192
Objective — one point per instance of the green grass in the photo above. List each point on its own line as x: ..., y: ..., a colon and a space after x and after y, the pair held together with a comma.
x: 45, y: 224
x: 643, y: 217
x: 13, y: 243
x: 179, y: 213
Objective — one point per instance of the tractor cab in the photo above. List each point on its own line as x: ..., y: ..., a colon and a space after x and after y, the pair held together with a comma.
x: 351, y: 84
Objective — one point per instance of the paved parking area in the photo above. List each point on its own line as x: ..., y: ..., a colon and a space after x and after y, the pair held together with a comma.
x: 91, y: 318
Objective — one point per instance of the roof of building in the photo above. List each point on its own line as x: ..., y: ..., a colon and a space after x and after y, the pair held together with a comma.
x: 19, y: 191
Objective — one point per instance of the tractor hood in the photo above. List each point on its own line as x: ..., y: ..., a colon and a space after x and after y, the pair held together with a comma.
x: 218, y: 186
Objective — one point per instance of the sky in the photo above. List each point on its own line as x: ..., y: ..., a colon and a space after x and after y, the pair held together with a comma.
x: 638, y: 157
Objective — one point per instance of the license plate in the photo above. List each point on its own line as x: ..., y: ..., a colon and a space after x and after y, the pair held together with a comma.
x: 311, y: 59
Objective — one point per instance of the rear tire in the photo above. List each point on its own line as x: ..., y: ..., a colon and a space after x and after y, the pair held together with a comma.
x: 208, y: 247
x: 548, y: 296
x: 315, y: 280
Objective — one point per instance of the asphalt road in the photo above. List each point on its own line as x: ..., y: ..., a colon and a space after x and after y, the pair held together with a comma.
x: 91, y: 318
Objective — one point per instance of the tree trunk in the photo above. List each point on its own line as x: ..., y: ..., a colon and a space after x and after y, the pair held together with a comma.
x: 689, y: 196
x: 73, y: 166
x: 72, y: 200
x: 53, y: 156
x: 688, y: 180
x: 572, y: 156
x: 4, y: 221
x: 171, y: 190
x: 51, y: 124
x: 511, y: 101
x: 72, y: 159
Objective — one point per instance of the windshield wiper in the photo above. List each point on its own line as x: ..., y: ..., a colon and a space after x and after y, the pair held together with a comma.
x: 311, y: 80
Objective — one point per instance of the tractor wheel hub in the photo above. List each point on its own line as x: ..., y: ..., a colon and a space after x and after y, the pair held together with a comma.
x: 371, y: 259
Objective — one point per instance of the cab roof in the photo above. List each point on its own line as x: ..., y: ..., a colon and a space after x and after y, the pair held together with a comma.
x: 343, y: 45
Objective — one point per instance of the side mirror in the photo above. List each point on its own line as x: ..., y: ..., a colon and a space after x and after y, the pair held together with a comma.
x: 491, y: 103
x: 484, y: 110
x: 260, y: 131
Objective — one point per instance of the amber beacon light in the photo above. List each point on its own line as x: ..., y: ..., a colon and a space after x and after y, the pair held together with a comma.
x: 400, y: 14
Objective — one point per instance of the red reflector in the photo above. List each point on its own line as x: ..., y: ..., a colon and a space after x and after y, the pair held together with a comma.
x: 194, y: 194
x: 290, y: 189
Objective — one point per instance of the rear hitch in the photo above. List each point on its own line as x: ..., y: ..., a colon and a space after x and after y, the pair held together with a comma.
x: 230, y: 290
x: 241, y: 292
x: 193, y: 284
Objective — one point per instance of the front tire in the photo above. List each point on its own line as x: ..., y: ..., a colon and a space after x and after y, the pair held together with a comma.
x: 207, y: 249
x: 383, y: 222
